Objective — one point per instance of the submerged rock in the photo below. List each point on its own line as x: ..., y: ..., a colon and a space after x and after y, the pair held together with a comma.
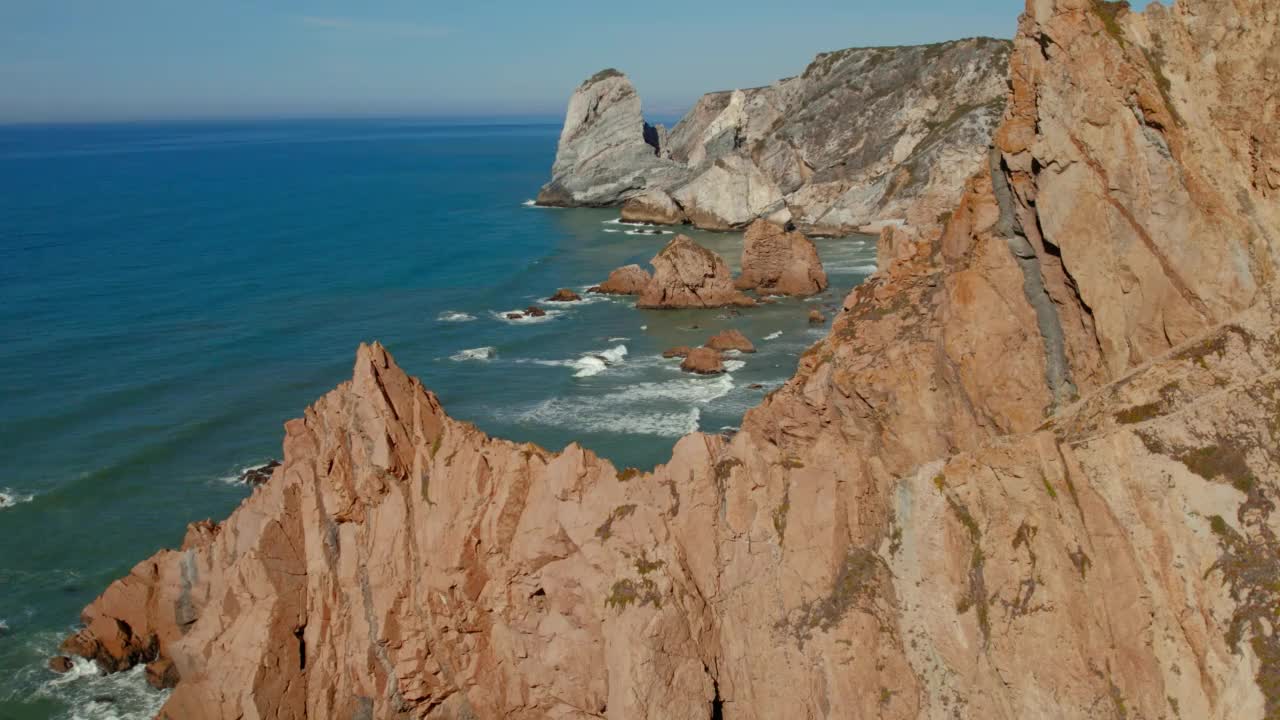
x: 730, y: 340
x: 703, y: 361
x: 688, y: 275
x: 816, y: 317
x: 535, y: 311
x: 60, y: 664
x: 777, y: 262
x: 564, y: 295
x: 679, y: 351
x: 258, y: 475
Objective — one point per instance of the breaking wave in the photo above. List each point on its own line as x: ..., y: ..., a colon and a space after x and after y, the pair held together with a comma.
x: 480, y: 353
x: 9, y: 498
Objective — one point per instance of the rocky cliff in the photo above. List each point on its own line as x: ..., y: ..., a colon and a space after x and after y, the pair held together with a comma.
x: 856, y: 139
x: 1031, y: 471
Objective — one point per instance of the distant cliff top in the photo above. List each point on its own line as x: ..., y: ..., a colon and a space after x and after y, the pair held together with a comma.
x: 856, y: 138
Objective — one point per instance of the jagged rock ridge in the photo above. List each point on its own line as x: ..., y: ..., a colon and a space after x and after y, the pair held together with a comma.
x: 1031, y: 471
x: 856, y: 139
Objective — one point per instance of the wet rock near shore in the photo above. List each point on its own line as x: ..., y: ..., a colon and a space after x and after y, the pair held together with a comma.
x: 688, y: 275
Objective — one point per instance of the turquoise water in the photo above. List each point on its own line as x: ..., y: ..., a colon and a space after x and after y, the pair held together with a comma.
x: 170, y: 295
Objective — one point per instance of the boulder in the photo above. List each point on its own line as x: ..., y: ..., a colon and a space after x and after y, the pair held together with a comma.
x: 730, y: 340
x: 60, y: 664
x: 514, y: 315
x: 654, y: 207
x: 703, y: 361
x: 687, y: 275
x: 679, y: 351
x: 777, y: 262
x: 564, y: 295
x: 626, y: 280
x: 534, y: 311
x: 816, y: 318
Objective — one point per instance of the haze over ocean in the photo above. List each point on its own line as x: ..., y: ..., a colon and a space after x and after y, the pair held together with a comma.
x: 170, y: 294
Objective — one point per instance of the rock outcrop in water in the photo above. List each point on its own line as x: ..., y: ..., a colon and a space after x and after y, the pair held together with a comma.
x: 855, y: 140
x: 626, y: 280
x: 1031, y: 471
x: 607, y: 152
x: 730, y: 340
x: 688, y: 275
x: 777, y: 262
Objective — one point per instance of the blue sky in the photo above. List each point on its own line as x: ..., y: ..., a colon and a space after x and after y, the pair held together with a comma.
x: 135, y: 59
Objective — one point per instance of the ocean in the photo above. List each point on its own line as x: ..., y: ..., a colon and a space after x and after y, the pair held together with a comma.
x: 171, y: 294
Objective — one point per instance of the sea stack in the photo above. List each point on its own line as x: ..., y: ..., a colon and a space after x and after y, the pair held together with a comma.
x: 607, y: 152
x: 688, y: 275
x: 777, y: 262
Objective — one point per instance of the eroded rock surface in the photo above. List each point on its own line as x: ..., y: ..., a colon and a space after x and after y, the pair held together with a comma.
x: 655, y: 207
x: 607, y: 152
x: 703, y: 361
x: 626, y: 280
x: 730, y: 340
x: 777, y: 262
x: 857, y: 139
x: 1031, y: 471
x: 688, y: 275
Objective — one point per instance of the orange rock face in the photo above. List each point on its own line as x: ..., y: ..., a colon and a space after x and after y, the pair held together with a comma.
x: 731, y: 340
x: 777, y: 262
x: 1030, y: 472
x: 703, y: 361
x: 689, y: 275
x: 626, y: 280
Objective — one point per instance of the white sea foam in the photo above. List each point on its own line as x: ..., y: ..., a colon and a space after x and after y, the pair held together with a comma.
x: 455, y: 316
x: 85, y: 689
x: 612, y: 230
x: 615, y: 354
x: 644, y: 327
x: 530, y: 203
x: 597, y: 362
x: 480, y: 353
x: 669, y: 409
x: 237, y: 476
x: 524, y: 319
x: 618, y: 339
x: 773, y: 335
x: 686, y: 389
x: 9, y: 498
x: 595, y: 417
x: 734, y: 365
x: 588, y: 365
x: 647, y: 232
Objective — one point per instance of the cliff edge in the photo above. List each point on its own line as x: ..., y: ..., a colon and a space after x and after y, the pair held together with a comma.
x: 1031, y: 470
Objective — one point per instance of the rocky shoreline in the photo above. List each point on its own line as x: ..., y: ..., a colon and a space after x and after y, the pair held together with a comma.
x: 1031, y: 470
